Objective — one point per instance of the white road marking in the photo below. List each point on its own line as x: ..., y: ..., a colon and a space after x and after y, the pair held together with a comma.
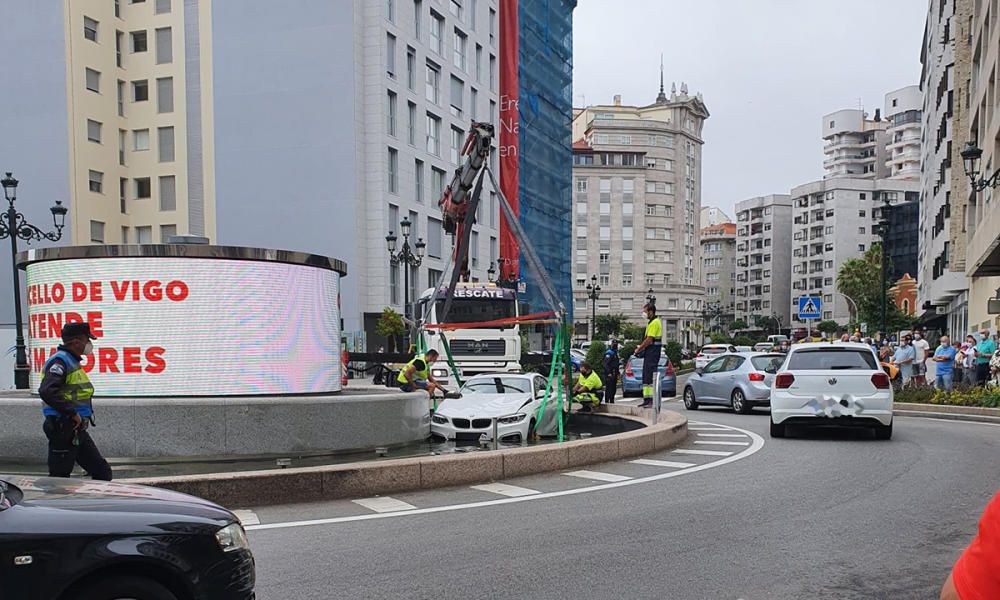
x: 708, y: 429
x: 247, y: 517
x: 758, y: 443
x: 384, y: 504
x: 511, y: 491
x: 597, y: 476
x: 703, y: 452
x: 721, y: 443
x: 722, y: 435
x: 649, y: 462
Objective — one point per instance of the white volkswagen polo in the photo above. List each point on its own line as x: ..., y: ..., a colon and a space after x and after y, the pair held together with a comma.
x: 831, y: 384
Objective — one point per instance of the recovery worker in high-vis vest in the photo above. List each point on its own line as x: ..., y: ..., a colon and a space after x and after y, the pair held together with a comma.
x: 651, y: 349
x: 587, y: 390
x: 67, y: 395
x: 416, y: 375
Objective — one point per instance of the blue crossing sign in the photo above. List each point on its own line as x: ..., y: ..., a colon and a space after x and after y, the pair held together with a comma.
x: 809, y: 307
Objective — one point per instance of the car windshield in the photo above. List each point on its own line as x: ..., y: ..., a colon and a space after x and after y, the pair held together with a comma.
x: 470, y: 310
x: 498, y: 385
x: 832, y: 358
x: 768, y: 364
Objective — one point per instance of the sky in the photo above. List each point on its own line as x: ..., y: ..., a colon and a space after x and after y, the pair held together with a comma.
x: 768, y: 70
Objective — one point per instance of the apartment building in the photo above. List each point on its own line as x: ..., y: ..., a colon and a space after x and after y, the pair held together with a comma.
x: 833, y: 220
x: 718, y: 269
x: 637, y: 195
x: 763, y: 263
x: 942, y: 290
x: 855, y: 145
x: 903, y: 111
x: 975, y: 231
x: 712, y: 216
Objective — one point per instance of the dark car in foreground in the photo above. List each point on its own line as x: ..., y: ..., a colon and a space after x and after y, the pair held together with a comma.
x: 75, y: 539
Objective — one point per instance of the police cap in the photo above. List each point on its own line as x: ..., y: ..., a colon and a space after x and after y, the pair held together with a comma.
x: 74, y: 330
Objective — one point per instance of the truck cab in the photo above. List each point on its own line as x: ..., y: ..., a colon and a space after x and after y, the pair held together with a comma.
x: 476, y: 350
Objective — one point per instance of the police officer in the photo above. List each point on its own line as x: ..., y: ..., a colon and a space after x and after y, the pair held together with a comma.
x: 67, y: 392
x: 650, y: 350
x: 612, y: 363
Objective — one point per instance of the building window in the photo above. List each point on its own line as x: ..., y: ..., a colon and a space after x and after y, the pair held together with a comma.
x: 437, y: 30
x: 93, y: 80
x: 390, y: 55
x: 418, y: 9
x: 140, y: 140
x: 97, y: 232
x: 394, y: 284
x: 96, y: 181
x: 473, y: 102
x: 122, y: 142
x: 493, y: 27
x: 168, y: 192
x: 393, y: 171
x: 605, y: 281
x: 162, y: 7
x: 433, y: 135
x: 437, y: 182
x: 167, y: 232
x: 119, y: 43
x: 605, y: 233
x: 861, y: 213
x: 138, y: 41
x: 122, y: 193
x: 861, y: 230
x: 605, y: 257
x: 627, y: 256
x: 164, y: 46
x: 581, y: 231
x: 94, y: 131
x: 418, y: 180
x: 142, y: 188
x: 140, y: 90
x: 605, y: 208
x: 861, y: 247
x: 493, y: 72
x: 433, y: 278
x: 165, y: 95
x: 433, y: 84
x: 457, y: 93
x: 479, y: 63
x: 392, y: 114
x: 390, y: 10
x: 118, y: 8
x: 474, y: 244
x: 627, y: 233
x: 165, y: 144
x: 90, y: 29
x: 581, y: 208
x: 124, y: 235
x: 461, y: 43
x: 626, y: 282
x: 411, y: 68
x: 144, y: 235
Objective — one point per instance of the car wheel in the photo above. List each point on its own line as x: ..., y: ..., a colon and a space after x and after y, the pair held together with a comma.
x: 689, y: 401
x: 531, y: 428
x: 777, y: 430
x: 739, y: 402
x: 120, y: 588
x: 883, y: 432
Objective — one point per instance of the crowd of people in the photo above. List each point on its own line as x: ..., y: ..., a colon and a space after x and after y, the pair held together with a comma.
x: 973, y: 361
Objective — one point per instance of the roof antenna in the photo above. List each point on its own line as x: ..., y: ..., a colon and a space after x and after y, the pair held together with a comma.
x: 661, y: 97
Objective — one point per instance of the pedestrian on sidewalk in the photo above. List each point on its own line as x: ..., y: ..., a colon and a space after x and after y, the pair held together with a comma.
x: 903, y: 359
x: 984, y: 352
x: 612, y: 362
x: 920, y: 350
x: 969, y: 375
x: 67, y: 395
x: 944, y: 362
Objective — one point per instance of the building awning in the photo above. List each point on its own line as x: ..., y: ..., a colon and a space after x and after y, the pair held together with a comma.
x: 931, y: 317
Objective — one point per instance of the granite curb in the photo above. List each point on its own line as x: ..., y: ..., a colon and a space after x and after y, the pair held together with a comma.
x: 372, y: 478
x: 979, y: 414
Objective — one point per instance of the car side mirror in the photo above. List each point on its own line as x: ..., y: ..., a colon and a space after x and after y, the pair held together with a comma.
x: 540, y: 394
x: 698, y: 371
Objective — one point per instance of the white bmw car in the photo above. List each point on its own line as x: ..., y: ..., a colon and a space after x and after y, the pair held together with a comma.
x: 514, y: 400
x: 831, y: 384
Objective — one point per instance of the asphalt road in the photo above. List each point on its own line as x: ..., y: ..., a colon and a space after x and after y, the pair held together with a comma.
x: 825, y: 515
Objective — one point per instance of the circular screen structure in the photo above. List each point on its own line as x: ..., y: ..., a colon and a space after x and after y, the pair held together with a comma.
x: 190, y: 320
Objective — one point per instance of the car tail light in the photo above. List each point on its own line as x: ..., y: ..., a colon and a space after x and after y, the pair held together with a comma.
x: 756, y: 377
x: 783, y: 381
x: 628, y: 369
x: 699, y: 355
x: 880, y: 381
x: 669, y: 371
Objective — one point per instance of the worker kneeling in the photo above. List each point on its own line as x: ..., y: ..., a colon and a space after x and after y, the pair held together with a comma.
x: 588, y: 388
x: 417, y: 376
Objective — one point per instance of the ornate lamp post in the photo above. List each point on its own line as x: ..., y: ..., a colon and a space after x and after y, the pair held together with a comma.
x: 408, y: 259
x: 15, y: 226
x: 593, y: 292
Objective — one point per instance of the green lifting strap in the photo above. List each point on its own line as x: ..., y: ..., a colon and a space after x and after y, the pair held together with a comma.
x: 548, y: 386
x: 451, y: 360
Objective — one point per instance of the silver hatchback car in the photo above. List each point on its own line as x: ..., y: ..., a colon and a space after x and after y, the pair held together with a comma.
x: 741, y: 380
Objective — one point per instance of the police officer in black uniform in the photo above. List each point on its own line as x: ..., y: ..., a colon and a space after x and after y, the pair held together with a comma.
x: 67, y: 395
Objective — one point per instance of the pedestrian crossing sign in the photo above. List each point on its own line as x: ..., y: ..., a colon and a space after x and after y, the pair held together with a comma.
x: 809, y: 308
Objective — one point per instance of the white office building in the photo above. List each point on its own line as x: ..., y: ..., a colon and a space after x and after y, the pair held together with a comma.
x: 763, y: 264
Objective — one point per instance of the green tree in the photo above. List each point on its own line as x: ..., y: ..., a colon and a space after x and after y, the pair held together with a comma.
x: 607, y: 326
x: 743, y: 340
x: 738, y: 325
x: 828, y: 327
x: 861, y: 279
x: 720, y: 338
x: 390, y: 326
x: 674, y: 353
x: 595, y: 355
x: 635, y: 333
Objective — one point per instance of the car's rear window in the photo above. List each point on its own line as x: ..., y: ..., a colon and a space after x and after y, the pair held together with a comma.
x: 769, y: 364
x: 713, y: 350
x: 832, y: 358
x: 637, y: 362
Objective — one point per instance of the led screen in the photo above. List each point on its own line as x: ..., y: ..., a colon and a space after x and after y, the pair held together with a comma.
x: 191, y: 326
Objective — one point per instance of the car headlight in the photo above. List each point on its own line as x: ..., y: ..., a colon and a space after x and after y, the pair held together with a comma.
x: 512, y: 419
x: 439, y: 419
x: 232, y: 537
x: 439, y: 372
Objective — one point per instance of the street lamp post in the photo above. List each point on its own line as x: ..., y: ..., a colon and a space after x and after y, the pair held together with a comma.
x: 15, y: 226
x: 408, y: 260
x: 650, y: 298
x: 883, y: 227
x: 593, y: 292
x: 970, y: 160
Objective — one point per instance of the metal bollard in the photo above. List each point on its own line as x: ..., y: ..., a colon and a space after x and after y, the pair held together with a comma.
x: 657, y: 398
x: 496, y: 442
